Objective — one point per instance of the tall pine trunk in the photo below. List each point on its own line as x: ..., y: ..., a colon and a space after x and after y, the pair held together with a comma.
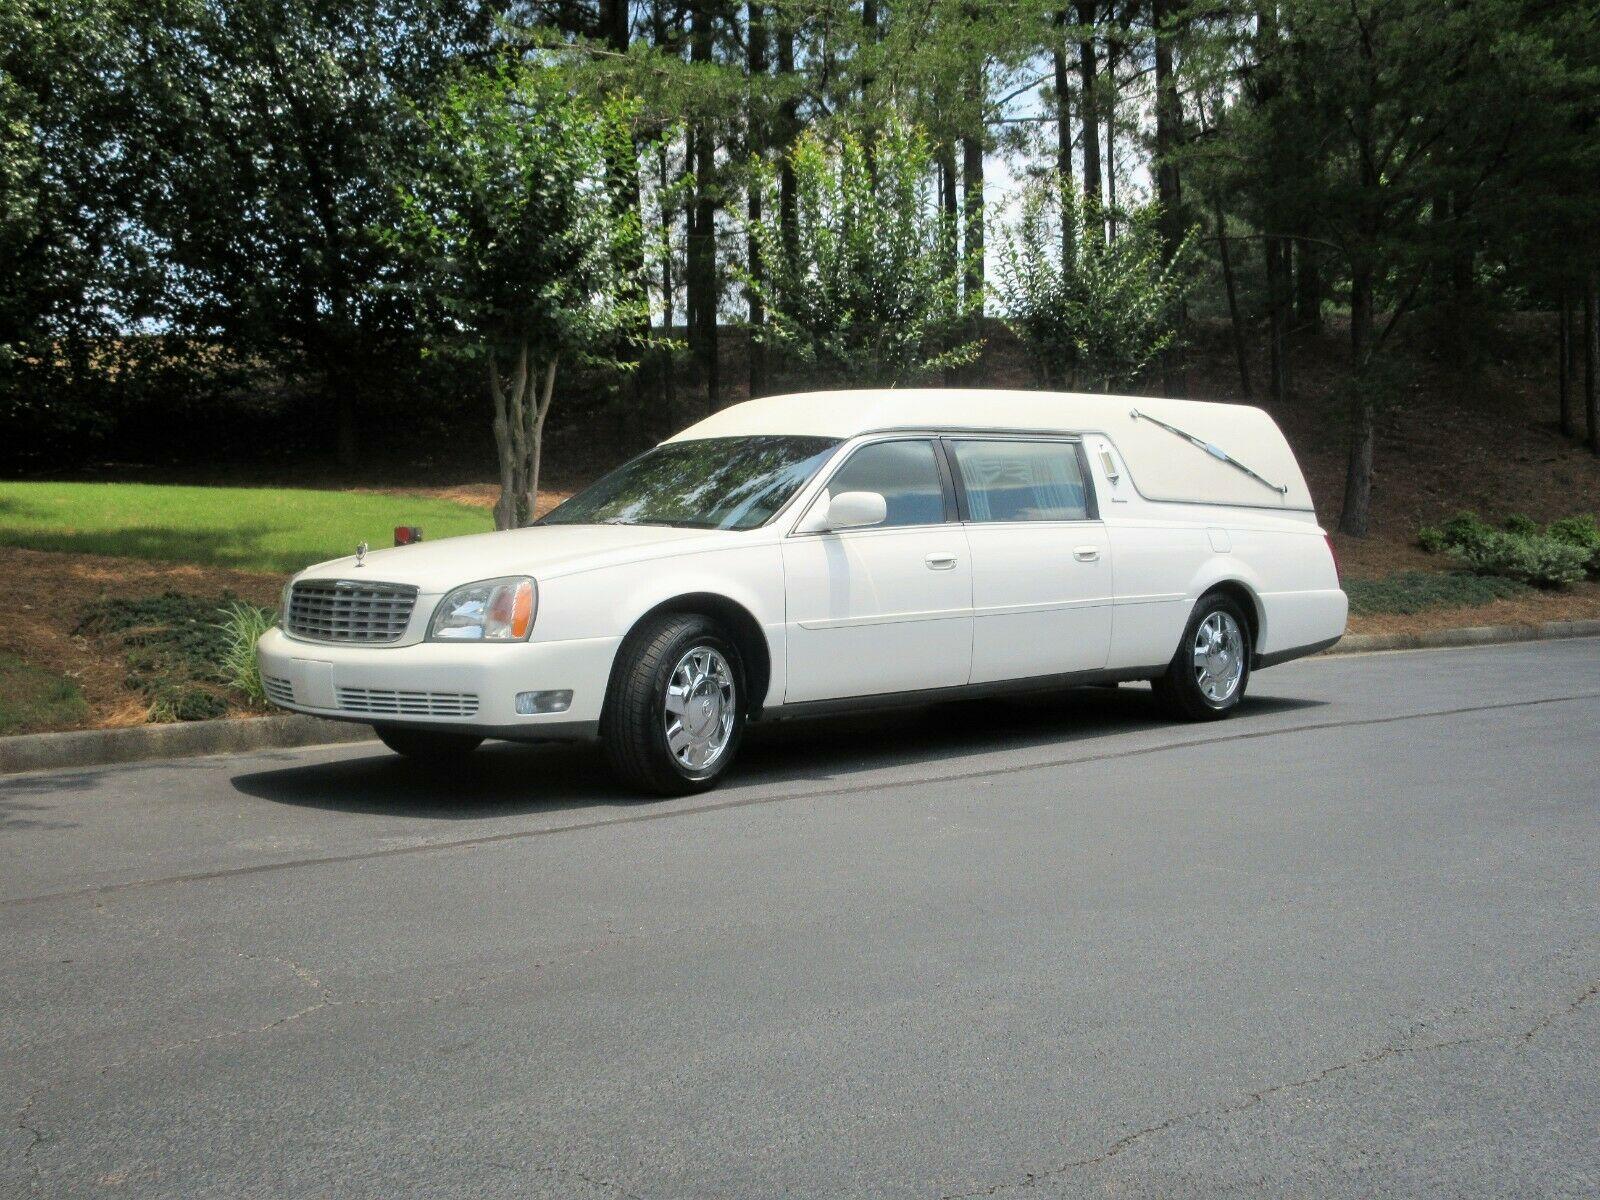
x: 756, y: 61
x: 1280, y: 381
x: 1169, y: 132
x: 1565, y: 359
x: 1356, y: 516
x: 1063, y: 135
x: 702, y: 264
x: 1088, y: 106
x: 1591, y: 355
x: 788, y: 129
x: 1235, y: 323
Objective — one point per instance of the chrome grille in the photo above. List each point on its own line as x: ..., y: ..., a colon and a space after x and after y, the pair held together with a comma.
x: 344, y: 610
x: 383, y: 701
x: 279, y: 691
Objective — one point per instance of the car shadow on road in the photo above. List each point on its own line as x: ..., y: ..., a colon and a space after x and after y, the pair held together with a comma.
x: 504, y: 779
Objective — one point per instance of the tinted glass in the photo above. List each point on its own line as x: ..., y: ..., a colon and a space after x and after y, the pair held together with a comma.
x: 712, y: 483
x: 1021, y: 481
x: 905, y: 474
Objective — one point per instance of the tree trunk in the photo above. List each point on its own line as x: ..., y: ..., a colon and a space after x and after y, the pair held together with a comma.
x: 344, y: 401
x: 1356, y: 515
x: 788, y: 127
x: 1090, y: 113
x: 1108, y: 104
x: 1063, y: 137
x: 702, y: 275
x: 1591, y: 355
x: 1235, y: 323
x: 756, y: 60
x: 1279, y: 378
x: 1565, y: 360
x: 536, y: 421
x: 972, y: 217
x: 1169, y: 134
x: 1307, y: 286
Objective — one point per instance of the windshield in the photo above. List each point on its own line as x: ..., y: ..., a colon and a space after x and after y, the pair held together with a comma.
x: 714, y: 483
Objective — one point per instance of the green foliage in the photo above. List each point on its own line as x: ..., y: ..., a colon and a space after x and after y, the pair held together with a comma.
x: 252, y: 529
x: 33, y: 699
x: 1553, y: 557
x: 179, y: 657
x: 509, y: 221
x: 1581, y: 531
x: 1417, y: 591
x: 869, y: 292
x: 1089, y: 311
x: 242, y: 626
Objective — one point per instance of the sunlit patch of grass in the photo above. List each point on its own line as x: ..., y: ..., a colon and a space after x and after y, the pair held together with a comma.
x: 250, y: 529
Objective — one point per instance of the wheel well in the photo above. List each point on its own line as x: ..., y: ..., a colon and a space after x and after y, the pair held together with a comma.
x: 742, y: 627
x: 1246, y: 600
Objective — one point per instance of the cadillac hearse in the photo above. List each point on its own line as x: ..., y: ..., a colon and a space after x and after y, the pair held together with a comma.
x: 806, y: 553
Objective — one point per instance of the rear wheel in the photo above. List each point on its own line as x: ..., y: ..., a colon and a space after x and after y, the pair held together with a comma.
x: 676, y: 709
x: 1207, y: 676
x: 427, y: 745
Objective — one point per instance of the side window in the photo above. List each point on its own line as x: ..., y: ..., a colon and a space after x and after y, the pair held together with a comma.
x: 904, y: 473
x: 1021, y: 481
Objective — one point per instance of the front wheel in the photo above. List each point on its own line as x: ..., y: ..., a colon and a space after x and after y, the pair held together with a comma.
x: 428, y: 746
x: 676, y: 709
x: 1207, y: 676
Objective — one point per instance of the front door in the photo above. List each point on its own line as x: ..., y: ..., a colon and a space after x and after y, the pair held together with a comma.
x: 887, y: 608
x: 1041, y: 561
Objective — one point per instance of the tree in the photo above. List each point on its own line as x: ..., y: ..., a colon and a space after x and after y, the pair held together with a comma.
x: 271, y: 131
x: 1089, y: 311
x: 509, y: 221
x: 872, y: 292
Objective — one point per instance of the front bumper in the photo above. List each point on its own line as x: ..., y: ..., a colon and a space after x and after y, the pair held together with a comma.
x: 438, y: 685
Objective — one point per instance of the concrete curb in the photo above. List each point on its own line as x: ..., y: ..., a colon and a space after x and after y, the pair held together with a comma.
x: 187, y: 739
x: 106, y: 747
x: 1472, y: 635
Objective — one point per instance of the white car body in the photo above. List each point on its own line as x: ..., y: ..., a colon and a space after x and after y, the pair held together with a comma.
x: 873, y: 615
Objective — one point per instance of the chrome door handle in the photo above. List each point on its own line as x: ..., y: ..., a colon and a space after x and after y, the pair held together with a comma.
x: 940, y: 562
x: 1087, y: 554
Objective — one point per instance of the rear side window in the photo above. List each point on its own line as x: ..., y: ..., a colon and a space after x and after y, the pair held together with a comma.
x: 904, y: 473
x: 1021, y: 481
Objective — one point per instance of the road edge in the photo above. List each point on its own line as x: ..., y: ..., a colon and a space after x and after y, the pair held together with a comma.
x: 193, y: 739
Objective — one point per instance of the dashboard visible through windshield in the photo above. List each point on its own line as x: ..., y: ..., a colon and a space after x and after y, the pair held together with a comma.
x: 710, y: 483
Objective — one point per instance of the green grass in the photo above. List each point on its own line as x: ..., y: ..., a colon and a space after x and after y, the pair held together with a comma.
x: 1416, y: 591
x: 32, y: 698
x: 252, y: 529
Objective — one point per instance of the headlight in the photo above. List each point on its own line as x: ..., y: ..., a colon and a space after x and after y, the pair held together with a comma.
x: 495, y: 610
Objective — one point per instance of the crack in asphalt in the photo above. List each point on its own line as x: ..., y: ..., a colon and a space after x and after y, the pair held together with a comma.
x: 880, y: 785
x: 1251, y: 1100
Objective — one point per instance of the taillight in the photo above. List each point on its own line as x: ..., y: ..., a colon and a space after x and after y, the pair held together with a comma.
x: 1333, y: 554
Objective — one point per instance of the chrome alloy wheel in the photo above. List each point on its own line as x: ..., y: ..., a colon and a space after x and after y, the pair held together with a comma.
x: 699, y: 708
x: 1218, y: 657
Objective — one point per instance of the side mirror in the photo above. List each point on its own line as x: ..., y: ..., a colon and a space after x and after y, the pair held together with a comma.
x: 847, y: 510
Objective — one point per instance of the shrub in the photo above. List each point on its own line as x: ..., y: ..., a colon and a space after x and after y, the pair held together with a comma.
x: 1581, y: 531
x: 1539, y: 560
x: 242, y: 626
x: 1560, y: 554
x: 1463, y: 529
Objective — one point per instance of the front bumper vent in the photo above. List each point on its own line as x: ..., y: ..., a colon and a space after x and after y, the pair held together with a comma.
x: 279, y: 691
x: 382, y: 702
x: 350, y: 611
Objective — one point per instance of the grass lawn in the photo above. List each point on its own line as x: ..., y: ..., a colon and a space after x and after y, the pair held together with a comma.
x: 250, y: 529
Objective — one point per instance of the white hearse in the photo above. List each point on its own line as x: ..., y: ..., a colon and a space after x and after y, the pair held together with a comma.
x: 799, y: 554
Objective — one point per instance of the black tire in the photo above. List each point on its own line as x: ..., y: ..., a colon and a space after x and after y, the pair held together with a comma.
x: 634, y: 730
x: 428, y: 746
x: 1179, y: 690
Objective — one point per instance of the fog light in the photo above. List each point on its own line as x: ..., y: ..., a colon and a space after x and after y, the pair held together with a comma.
x: 532, y: 703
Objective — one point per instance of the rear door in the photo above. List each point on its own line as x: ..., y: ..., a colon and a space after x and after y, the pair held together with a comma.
x: 887, y: 608
x: 1041, y: 560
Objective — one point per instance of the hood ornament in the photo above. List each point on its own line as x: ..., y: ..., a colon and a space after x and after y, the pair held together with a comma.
x: 361, y: 553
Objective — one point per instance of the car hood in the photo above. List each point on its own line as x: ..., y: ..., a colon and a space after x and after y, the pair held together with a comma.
x: 543, y: 551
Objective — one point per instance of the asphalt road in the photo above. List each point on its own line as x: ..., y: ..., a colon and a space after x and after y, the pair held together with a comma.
x: 1347, y: 943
